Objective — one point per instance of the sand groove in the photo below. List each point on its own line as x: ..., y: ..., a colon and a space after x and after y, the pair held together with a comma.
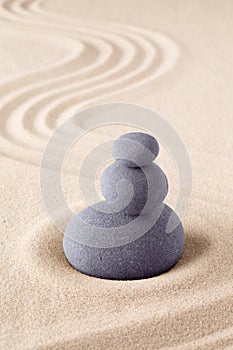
x: 53, y: 306
x: 113, y: 58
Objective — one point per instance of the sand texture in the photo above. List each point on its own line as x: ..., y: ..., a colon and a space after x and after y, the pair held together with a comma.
x: 58, y: 57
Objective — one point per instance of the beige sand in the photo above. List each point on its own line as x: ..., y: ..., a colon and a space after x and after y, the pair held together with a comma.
x: 57, y: 57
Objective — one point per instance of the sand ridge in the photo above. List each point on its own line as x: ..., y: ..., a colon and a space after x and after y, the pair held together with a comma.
x: 70, y: 58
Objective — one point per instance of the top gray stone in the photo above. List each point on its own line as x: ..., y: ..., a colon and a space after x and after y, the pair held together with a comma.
x: 135, y: 149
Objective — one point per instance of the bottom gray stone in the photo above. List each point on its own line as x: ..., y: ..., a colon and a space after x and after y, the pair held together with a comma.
x: 152, y: 254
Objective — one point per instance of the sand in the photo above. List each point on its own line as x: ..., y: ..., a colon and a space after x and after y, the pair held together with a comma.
x: 58, y: 57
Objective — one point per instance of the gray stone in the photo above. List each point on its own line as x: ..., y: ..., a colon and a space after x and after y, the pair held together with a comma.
x: 134, y: 194
x: 135, y: 149
x: 152, y: 254
x: 127, y: 236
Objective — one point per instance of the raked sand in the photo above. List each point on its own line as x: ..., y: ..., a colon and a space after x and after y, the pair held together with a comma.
x: 59, y: 57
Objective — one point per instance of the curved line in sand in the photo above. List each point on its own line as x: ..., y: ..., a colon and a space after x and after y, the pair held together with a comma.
x: 24, y: 96
x: 75, y: 46
x: 218, y: 295
x: 43, y: 98
x: 23, y: 114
